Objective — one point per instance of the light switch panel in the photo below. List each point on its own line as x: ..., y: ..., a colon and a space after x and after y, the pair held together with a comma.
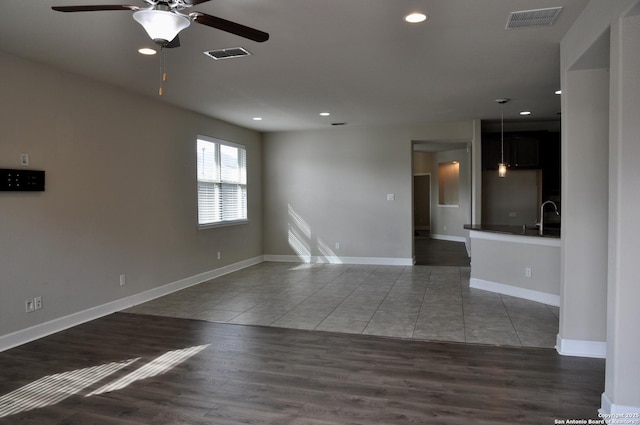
x: 24, y: 159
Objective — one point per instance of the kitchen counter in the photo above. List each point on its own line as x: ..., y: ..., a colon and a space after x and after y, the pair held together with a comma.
x: 551, y: 232
x: 515, y: 261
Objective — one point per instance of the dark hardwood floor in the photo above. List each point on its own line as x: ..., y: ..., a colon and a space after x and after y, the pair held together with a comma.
x: 128, y: 369
x: 435, y: 252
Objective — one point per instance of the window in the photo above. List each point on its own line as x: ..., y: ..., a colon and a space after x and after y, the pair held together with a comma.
x: 222, y: 182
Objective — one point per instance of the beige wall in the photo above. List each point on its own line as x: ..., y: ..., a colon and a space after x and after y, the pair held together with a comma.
x: 120, y: 195
x: 449, y: 221
x: 448, y: 183
x: 422, y: 162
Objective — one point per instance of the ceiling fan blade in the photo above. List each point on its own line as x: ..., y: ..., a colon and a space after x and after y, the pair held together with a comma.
x: 94, y: 8
x: 194, y: 2
x: 173, y: 43
x: 231, y: 27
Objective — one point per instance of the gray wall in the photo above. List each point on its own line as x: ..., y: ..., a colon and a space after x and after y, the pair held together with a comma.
x: 604, y: 36
x: 120, y: 195
x: 585, y: 204
x: 330, y: 186
x: 513, y: 200
x: 504, y: 258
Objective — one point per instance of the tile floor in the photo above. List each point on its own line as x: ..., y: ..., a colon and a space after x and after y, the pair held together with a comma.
x: 420, y: 302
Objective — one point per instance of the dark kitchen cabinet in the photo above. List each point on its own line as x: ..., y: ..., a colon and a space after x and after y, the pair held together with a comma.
x: 527, y: 150
x: 492, y: 151
x: 521, y: 150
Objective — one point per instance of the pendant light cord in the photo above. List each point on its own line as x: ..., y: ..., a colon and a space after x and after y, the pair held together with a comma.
x: 502, y: 133
x: 502, y: 167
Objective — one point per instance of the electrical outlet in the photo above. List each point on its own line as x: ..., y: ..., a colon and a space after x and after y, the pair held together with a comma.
x: 123, y: 280
x: 219, y: 255
x: 445, y: 228
x: 527, y: 272
x: 337, y: 245
x: 37, y: 303
x: 28, y: 305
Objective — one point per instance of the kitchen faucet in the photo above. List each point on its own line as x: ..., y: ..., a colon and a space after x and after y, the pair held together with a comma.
x: 542, y: 214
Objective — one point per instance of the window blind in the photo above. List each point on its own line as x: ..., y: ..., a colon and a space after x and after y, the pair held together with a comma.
x: 222, y: 181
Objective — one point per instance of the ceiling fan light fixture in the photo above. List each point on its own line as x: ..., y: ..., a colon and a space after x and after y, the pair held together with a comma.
x: 161, y: 25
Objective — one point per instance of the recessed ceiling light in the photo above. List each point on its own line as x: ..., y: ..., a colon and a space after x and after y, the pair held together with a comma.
x: 147, y: 51
x: 415, y: 18
x: 525, y: 113
x: 324, y: 114
x: 558, y: 91
x: 257, y: 118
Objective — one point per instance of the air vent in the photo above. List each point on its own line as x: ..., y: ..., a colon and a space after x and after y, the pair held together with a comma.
x: 233, y: 52
x: 533, y: 18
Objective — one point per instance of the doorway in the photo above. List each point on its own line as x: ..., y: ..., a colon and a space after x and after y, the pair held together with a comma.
x: 427, y: 251
x: 422, y: 205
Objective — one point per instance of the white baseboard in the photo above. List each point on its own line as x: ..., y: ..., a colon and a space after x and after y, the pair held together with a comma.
x: 376, y: 261
x: 515, y: 291
x: 616, y: 413
x: 449, y: 238
x: 455, y: 239
x: 577, y: 348
x: 169, y: 288
x: 32, y: 333
x: 23, y: 336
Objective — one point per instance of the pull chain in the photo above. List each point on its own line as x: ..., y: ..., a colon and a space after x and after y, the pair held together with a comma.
x: 163, y: 73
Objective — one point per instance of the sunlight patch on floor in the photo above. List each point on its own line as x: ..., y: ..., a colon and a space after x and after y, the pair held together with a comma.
x: 156, y: 367
x: 53, y: 389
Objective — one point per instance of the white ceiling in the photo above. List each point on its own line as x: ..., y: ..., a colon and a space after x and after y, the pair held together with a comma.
x: 357, y: 59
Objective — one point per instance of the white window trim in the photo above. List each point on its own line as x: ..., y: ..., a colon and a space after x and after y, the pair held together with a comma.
x: 226, y: 223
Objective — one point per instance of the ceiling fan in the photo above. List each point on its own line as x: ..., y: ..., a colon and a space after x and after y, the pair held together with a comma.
x: 164, y: 19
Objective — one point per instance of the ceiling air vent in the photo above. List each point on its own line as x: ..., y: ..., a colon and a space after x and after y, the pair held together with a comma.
x: 233, y: 52
x: 533, y: 18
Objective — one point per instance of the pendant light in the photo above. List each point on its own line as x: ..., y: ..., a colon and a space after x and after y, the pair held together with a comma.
x: 502, y: 167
